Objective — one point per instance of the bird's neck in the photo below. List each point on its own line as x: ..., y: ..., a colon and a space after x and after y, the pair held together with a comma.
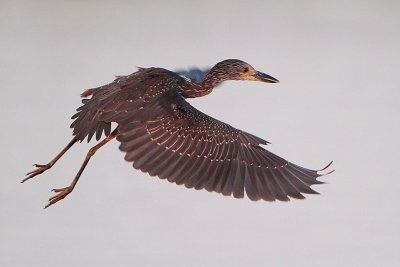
x: 194, y: 89
x: 213, y: 79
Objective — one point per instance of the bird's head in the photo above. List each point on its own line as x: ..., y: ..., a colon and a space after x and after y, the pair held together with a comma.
x: 235, y: 69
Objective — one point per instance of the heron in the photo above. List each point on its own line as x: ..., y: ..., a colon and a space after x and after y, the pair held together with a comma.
x: 163, y: 135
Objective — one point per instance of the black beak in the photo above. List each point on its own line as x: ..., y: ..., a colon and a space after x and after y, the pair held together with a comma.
x: 262, y: 77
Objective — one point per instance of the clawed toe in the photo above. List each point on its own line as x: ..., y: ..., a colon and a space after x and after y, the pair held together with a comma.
x: 39, y: 169
x: 42, y: 166
x: 62, y: 193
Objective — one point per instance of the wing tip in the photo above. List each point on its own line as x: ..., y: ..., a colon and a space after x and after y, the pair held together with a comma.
x: 325, y: 168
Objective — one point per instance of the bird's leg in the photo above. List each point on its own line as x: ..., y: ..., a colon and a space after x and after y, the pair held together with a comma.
x: 40, y: 168
x: 63, y: 192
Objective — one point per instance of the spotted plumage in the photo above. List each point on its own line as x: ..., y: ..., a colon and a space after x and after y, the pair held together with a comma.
x: 163, y: 135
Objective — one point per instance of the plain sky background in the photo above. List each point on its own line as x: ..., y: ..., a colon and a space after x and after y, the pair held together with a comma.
x: 339, y: 99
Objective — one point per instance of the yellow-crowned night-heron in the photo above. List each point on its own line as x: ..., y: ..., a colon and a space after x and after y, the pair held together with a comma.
x: 163, y: 135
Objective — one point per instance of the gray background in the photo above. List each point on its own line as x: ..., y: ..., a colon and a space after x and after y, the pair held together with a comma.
x: 338, y: 99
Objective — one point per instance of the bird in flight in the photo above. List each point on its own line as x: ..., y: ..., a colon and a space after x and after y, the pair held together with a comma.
x: 163, y: 135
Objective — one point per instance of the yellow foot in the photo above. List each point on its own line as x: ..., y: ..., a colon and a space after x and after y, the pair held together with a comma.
x: 39, y: 169
x: 62, y: 193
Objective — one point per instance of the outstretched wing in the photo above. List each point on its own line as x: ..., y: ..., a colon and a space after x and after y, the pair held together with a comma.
x: 181, y: 144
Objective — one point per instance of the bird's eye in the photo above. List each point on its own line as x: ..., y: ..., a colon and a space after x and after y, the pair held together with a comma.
x: 245, y: 70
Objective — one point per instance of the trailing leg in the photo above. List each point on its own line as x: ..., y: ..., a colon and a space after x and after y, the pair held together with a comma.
x: 63, y: 192
x: 42, y: 168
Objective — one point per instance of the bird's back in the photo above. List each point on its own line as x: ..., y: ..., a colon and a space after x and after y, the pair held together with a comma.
x: 135, y: 90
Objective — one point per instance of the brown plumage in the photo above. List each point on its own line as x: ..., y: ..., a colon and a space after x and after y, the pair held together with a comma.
x: 163, y: 135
